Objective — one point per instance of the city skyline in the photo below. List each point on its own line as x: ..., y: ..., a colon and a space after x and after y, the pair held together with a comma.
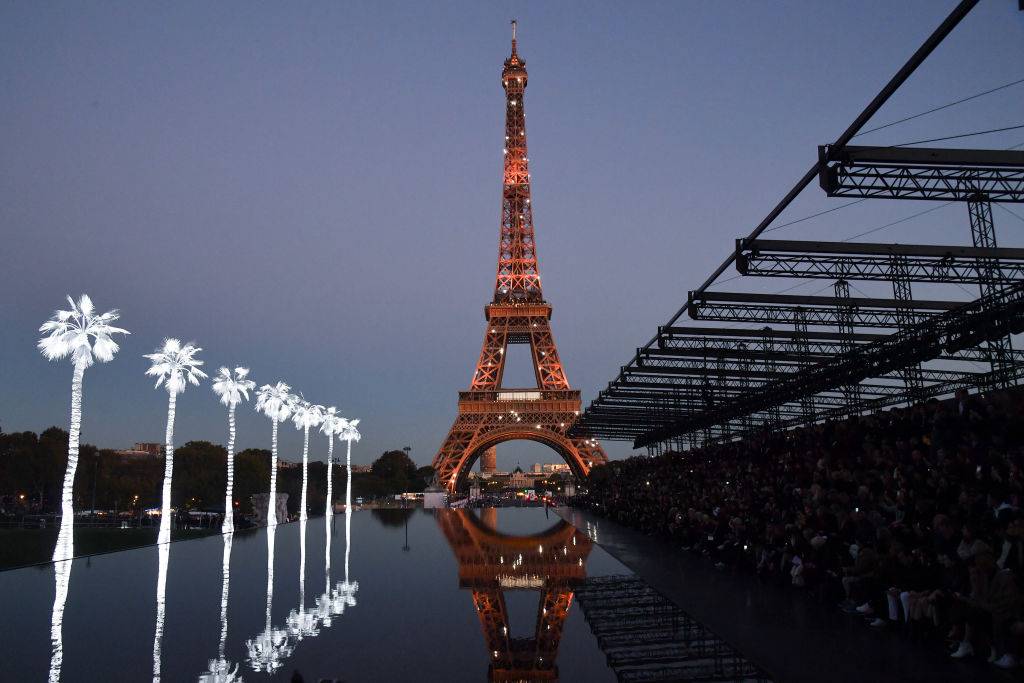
x: 315, y: 195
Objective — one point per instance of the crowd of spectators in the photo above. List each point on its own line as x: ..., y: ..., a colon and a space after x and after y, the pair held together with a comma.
x: 908, y: 518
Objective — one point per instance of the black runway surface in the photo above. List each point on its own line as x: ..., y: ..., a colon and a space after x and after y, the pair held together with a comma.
x: 782, y: 630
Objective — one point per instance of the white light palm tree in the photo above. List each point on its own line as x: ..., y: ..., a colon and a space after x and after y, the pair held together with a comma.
x: 272, y: 401
x: 305, y: 415
x: 86, y: 337
x: 331, y: 426
x: 348, y: 434
x: 232, y: 388
x: 175, y: 367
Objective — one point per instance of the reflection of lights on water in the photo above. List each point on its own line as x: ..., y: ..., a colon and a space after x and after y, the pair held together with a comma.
x: 61, y: 579
x: 163, y: 551
x: 268, y: 650
x: 220, y: 670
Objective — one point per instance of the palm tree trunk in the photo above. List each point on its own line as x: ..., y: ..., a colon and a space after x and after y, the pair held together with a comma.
x: 228, y: 540
x: 165, y: 509
x: 348, y: 507
x: 65, y: 537
x: 329, y: 512
x: 229, y: 510
x: 272, y: 503
x: 305, y: 472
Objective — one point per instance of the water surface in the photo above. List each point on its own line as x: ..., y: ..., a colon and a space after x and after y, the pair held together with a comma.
x: 407, y: 610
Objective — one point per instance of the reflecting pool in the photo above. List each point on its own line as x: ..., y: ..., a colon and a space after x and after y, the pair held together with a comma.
x: 448, y: 595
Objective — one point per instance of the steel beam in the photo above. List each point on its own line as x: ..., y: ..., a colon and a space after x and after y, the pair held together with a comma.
x: 871, y: 261
x: 921, y: 173
x: 781, y: 309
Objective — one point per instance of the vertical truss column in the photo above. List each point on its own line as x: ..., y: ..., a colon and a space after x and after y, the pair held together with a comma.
x: 707, y: 393
x: 744, y: 374
x: 844, y: 316
x: 768, y: 346
x: 722, y: 368
x: 679, y: 442
x: 802, y: 347
x: 901, y: 291
x: 983, y: 234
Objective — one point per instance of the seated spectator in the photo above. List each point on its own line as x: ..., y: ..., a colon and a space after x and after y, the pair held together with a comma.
x: 910, y: 516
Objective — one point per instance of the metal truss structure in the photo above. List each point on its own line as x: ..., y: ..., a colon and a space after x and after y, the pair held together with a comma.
x: 872, y: 261
x: 491, y: 563
x: 920, y: 173
x: 802, y: 359
x: 518, y: 314
x: 988, y: 318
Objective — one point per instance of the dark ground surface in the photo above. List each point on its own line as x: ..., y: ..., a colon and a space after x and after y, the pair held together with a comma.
x: 24, y: 547
x: 790, y: 635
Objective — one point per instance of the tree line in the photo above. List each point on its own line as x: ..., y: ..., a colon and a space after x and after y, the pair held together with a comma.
x: 32, y: 468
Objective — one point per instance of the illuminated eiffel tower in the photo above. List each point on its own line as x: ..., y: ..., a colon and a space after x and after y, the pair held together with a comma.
x: 518, y: 314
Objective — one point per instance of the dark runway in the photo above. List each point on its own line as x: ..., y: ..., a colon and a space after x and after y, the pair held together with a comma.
x: 780, y: 629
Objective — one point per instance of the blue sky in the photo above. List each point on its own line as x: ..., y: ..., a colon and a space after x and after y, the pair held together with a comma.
x: 313, y: 189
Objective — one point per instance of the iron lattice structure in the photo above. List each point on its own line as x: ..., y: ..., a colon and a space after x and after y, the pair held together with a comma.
x: 804, y: 359
x: 518, y: 314
x: 490, y: 563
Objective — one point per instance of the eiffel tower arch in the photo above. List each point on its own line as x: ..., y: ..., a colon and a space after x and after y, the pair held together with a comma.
x: 518, y: 314
x: 552, y: 563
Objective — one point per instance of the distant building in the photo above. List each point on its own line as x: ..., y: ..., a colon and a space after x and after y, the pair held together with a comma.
x: 288, y: 465
x: 362, y: 469
x: 489, y: 461
x: 556, y: 468
x: 142, y: 449
x: 521, y: 480
x: 536, y: 469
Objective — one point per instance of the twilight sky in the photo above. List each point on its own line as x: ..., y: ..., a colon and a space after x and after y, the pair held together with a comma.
x: 313, y: 189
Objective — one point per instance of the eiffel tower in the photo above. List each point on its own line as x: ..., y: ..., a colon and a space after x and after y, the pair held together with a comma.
x: 491, y: 563
x: 518, y: 314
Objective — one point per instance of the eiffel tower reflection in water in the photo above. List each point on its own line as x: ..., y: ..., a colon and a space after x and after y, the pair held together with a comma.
x: 553, y: 563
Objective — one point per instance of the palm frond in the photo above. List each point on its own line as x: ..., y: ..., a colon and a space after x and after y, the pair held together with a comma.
x: 80, y: 333
x: 175, y: 365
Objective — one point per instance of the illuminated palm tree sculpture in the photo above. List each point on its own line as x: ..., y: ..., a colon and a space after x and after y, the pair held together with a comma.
x: 86, y: 337
x: 305, y: 415
x: 232, y: 388
x: 272, y: 401
x: 331, y: 425
x: 175, y: 367
x: 349, y: 434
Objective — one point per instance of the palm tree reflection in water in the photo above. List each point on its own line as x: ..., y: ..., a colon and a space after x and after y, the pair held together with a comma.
x: 61, y: 579
x: 163, y: 551
x: 220, y: 669
x: 269, y: 649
